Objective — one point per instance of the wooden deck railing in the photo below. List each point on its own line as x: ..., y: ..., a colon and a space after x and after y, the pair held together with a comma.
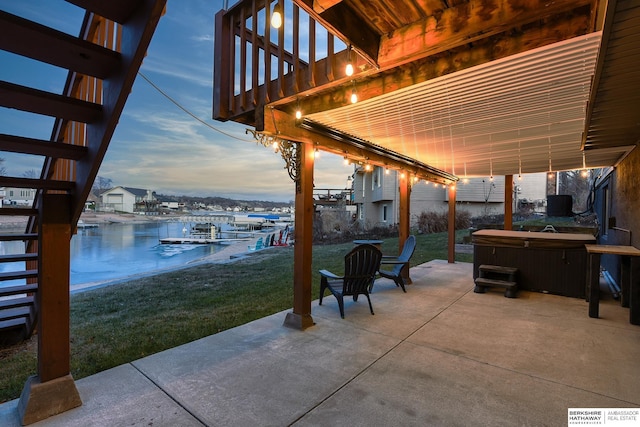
x: 256, y: 65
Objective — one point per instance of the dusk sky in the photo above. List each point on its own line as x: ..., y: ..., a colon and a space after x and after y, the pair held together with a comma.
x: 156, y: 145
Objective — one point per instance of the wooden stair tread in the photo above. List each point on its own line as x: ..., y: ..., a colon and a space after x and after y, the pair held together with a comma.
x: 15, y: 312
x: 497, y: 269
x: 19, y: 257
x: 18, y: 212
x: 17, y: 290
x: 17, y: 236
x: 36, y: 41
x: 13, y: 323
x: 16, y: 302
x: 12, y: 275
x: 40, y: 147
x: 495, y: 282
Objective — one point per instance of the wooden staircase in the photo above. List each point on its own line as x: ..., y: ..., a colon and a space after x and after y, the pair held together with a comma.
x: 102, y: 63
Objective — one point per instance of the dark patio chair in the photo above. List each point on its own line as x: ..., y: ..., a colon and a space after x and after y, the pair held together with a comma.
x: 360, y: 267
x: 398, y: 263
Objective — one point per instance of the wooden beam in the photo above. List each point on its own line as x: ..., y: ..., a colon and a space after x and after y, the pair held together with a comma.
x: 53, y: 294
x: 52, y: 390
x: 451, y: 253
x: 114, y: 10
x: 54, y: 47
x: 321, y: 5
x: 404, y: 218
x: 284, y: 126
x: 464, y: 24
x: 342, y: 22
x: 508, y: 202
x: 301, y: 318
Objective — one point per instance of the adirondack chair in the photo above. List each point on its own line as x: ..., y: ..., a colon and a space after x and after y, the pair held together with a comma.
x: 360, y: 267
x: 398, y: 263
x: 259, y: 245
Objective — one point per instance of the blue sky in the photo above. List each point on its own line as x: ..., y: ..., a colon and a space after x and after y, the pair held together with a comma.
x: 156, y: 145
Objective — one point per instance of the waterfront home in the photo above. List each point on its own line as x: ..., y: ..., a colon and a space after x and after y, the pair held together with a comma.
x: 128, y: 199
x: 436, y: 90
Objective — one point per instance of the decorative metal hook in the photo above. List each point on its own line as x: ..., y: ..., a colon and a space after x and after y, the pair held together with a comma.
x: 290, y: 151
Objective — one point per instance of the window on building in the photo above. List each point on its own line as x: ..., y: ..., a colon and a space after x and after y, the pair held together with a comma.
x: 384, y: 213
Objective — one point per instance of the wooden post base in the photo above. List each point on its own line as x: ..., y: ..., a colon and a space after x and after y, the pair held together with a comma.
x: 43, y: 400
x: 297, y: 321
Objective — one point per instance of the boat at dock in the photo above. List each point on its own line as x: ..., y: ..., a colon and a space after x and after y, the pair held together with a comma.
x: 225, y: 228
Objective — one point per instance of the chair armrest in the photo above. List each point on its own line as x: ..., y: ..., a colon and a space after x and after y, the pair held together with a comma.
x: 329, y: 275
x: 395, y: 261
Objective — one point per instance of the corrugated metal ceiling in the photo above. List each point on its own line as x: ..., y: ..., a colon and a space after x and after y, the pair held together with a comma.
x: 525, y: 113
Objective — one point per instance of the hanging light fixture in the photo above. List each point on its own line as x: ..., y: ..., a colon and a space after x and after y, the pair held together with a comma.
x: 349, y: 68
x: 276, y: 16
x: 584, y: 173
x: 354, y: 95
x: 519, y: 163
x: 298, y: 111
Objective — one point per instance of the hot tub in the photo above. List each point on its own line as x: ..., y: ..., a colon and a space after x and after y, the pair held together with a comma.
x: 555, y: 263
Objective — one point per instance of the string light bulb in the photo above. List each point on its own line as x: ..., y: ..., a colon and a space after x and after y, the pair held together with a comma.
x: 276, y: 16
x: 354, y: 96
x: 349, y: 68
x: 584, y: 172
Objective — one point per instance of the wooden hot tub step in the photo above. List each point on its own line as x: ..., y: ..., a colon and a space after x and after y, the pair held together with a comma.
x: 492, y: 276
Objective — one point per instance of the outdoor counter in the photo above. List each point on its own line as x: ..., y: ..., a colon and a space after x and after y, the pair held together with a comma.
x: 547, y: 262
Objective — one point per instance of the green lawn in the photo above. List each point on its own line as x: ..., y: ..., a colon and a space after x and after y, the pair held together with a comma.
x: 124, y: 322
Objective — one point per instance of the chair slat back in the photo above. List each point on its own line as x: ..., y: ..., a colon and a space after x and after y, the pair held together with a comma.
x: 406, y: 254
x: 360, y: 267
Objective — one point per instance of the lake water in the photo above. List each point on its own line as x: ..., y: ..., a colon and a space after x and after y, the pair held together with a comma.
x: 115, y: 251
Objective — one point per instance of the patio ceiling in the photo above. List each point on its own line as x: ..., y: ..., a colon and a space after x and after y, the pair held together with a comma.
x: 529, y: 112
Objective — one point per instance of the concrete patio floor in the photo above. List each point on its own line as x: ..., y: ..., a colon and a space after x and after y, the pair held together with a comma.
x: 438, y: 355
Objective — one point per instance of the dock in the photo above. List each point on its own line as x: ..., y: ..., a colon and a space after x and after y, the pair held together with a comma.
x: 198, y: 240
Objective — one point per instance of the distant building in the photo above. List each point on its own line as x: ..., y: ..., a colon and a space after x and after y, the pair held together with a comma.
x: 375, y: 193
x: 10, y: 196
x: 128, y: 199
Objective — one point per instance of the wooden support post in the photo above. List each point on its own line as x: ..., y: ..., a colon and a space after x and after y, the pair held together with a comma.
x: 53, y: 390
x: 508, y: 202
x: 451, y: 255
x: 301, y: 318
x: 404, y: 218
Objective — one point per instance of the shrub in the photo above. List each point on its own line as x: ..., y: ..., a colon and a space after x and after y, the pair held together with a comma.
x: 438, y: 222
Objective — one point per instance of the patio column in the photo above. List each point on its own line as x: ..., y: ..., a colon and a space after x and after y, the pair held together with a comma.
x: 301, y: 318
x: 508, y: 202
x: 451, y: 255
x: 52, y: 390
x: 404, y: 210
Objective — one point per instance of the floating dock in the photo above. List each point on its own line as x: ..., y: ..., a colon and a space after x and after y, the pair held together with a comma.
x: 197, y: 241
